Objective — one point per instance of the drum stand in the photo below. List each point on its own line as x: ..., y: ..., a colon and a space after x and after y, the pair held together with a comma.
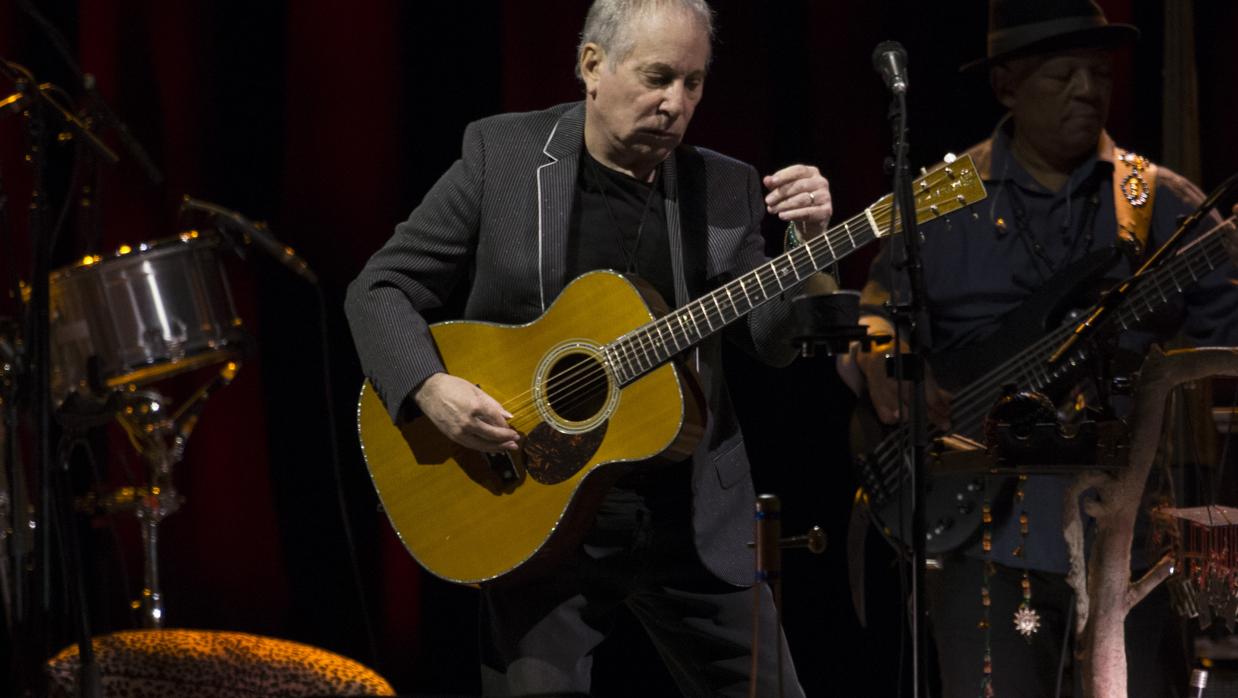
x: 160, y: 439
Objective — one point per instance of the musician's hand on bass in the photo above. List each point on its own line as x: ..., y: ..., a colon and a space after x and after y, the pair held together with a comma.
x: 465, y: 414
x: 887, y: 398
x: 883, y: 390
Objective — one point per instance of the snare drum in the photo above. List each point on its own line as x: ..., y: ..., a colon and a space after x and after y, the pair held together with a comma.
x: 143, y: 314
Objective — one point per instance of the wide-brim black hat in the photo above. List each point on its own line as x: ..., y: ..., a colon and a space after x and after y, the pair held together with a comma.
x: 1026, y: 27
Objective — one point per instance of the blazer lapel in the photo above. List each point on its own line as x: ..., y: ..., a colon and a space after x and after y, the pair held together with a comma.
x: 556, y: 188
x: 686, y: 221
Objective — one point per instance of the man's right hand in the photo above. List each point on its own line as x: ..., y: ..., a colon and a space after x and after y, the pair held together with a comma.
x: 889, y: 400
x: 465, y: 414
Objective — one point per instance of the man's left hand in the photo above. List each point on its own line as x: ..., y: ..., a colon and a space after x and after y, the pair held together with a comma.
x: 800, y: 194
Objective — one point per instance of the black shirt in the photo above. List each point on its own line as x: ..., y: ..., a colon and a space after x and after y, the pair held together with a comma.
x: 619, y: 222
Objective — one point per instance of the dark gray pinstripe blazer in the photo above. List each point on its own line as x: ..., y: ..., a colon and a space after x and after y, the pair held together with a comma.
x: 500, y: 216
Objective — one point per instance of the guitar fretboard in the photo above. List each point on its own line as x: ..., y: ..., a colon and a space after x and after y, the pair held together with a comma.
x: 649, y: 346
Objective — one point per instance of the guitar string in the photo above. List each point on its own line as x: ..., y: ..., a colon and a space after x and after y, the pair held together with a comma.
x: 583, y: 380
x: 977, y: 398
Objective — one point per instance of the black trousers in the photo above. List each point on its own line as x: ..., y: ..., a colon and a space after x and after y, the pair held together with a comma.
x: 1156, y: 666
x: 639, y: 560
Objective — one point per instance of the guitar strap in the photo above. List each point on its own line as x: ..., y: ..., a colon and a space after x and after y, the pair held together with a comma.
x: 1134, y: 192
x: 690, y: 166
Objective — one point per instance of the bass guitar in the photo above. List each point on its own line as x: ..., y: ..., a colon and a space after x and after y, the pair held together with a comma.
x: 592, y: 389
x: 1017, y: 354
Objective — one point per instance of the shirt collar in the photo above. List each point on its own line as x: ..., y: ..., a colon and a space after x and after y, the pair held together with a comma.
x: 1006, y: 168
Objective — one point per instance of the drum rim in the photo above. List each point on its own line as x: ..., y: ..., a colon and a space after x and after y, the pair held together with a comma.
x: 189, y: 238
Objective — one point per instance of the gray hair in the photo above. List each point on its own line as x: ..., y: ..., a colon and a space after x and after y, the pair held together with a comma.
x: 609, y: 23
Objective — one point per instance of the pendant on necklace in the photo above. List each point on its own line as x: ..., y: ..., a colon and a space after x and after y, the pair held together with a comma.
x: 1026, y: 620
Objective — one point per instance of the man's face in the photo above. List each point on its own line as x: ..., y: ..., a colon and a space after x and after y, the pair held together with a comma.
x: 639, y: 109
x: 1059, y: 101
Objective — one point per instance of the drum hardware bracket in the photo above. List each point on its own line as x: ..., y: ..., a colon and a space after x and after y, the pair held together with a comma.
x: 161, y: 441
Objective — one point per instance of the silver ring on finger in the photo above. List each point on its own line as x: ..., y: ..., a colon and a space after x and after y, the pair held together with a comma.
x: 812, y: 198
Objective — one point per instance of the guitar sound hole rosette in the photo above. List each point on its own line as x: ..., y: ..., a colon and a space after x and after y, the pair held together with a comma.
x: 574, y: 387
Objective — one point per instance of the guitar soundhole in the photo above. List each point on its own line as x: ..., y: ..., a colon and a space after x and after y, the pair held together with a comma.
x: 576, y: 387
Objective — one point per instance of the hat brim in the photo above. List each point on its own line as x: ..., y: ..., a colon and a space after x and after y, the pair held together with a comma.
x: 1107, y: 36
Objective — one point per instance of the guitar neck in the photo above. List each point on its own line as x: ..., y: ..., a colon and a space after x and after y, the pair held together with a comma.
x: 1202, y: 256
x: 653, y: 344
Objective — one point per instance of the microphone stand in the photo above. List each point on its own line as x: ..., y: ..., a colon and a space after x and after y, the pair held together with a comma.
x: 35, y: 384
x: 910, y: 366
x: 99, y: 106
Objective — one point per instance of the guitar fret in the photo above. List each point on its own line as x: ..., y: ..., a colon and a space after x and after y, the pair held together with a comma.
x: 850, y: 237
x: 641, y: 338
x: 830, y: 245
x: 744, y: 288
x: 760, y: 285
x: 609, y: 360
x: 665, y: 346
x: 777, y: 277
x: 1156, y: 278
x: 628, y: 368
x: 622, y: 369
x: 675, y: 324
x: 661, y: 340
x: 872, y: 222
x: 1208, y: 263
x: 812, y: 260
x: 705, y: 314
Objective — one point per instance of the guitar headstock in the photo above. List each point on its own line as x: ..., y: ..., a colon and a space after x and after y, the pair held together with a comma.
x: 947, y: 188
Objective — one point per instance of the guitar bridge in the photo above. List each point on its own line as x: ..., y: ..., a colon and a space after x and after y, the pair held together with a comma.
x: 504, y: 468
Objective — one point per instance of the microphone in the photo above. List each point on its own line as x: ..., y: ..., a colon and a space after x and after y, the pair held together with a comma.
x: 1199, y: 681
x: 254, y: 233
x: 890, y: 60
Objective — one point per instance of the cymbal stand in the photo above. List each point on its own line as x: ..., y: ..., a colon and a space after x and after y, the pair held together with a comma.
x: 160, y: 438
x: 8, y: 516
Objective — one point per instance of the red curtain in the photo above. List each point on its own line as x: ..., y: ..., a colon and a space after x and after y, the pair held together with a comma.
x: 329, y: 120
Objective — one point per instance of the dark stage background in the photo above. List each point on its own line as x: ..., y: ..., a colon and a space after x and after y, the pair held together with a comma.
x: 330, y: 120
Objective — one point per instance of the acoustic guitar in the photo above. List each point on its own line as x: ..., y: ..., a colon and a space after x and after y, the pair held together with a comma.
x: 593, y: 388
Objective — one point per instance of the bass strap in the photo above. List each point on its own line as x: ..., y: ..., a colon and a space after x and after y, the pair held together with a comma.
x: 1134, y: 193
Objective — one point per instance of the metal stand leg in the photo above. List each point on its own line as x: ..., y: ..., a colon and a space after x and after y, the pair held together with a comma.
x: 152, y: 597
x: 161, y: 441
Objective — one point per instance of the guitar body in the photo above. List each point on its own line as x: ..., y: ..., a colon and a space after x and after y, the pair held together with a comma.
x: 953, y: 503
x: 471, y: 518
